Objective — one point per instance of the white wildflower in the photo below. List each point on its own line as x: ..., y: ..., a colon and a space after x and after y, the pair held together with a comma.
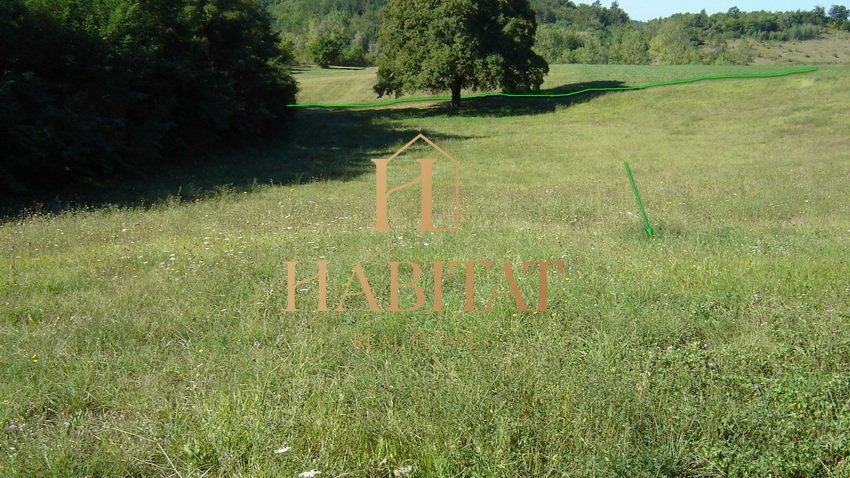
x: 405, y: 470
x: 309, y: 474
x: 281, y: 451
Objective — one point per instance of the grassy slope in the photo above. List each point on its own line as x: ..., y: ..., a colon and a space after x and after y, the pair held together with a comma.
x: 832, y: 48
x: 153, y: 341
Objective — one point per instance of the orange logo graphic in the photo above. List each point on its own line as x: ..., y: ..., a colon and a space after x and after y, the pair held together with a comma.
x: 425, y: 179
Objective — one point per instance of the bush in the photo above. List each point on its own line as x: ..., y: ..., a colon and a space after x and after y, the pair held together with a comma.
x: 672, y: 46
x: 741, y: 54
x: 90, y: 89
x: 356, y: 53
x: 353, y: 55
x: 326, y: 49
x: 629, y: 46
x: 287, y: 46
x: 591, y: 52
x: 555, y: 44
x: 796, y: 32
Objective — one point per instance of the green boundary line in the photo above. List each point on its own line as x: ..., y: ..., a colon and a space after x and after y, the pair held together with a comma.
x: 642, y: 86
x: 646, y: 227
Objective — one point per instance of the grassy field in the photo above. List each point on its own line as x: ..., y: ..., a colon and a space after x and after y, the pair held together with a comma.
x: 150, y: 338
x: 337, y: 85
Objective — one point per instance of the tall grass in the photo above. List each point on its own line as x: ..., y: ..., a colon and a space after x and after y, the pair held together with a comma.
x: 153, y: 341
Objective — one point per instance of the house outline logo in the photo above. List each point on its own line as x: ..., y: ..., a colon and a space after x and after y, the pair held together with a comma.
x: 382, y: 195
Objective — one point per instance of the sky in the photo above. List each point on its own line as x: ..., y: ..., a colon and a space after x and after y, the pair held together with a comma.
x: 648, y: 9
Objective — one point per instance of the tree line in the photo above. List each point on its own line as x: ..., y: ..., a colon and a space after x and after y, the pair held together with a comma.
x: 94, y: 88
x: 346, y: 32
x: 572, y: 33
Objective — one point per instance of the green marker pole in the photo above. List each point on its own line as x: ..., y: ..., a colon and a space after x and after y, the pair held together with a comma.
x: 646, y: 226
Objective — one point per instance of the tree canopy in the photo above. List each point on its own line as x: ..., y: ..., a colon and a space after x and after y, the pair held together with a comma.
x: 345, y: 32
x: 90, y: 88
x: 439, y: 45
x: 839, y: 13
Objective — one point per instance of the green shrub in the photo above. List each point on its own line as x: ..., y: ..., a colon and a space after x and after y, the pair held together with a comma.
x: 555, y: 44
x: 353, y: 55
x: 287, y: 47
x: 629, y: 46
x: 672, y: 46
x: 326, y: 49
x: 741, y: 54
x: 591, y: 52
x: 796, y: 32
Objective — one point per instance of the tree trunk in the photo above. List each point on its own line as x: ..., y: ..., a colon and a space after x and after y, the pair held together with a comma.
x: 456, y: 94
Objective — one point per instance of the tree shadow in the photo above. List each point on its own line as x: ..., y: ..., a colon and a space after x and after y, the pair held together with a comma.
x: 314, y: 146
x: 501, y: 106
x: 520, y: 106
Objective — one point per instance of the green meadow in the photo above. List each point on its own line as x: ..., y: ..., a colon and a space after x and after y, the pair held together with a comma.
x: 143, y: 329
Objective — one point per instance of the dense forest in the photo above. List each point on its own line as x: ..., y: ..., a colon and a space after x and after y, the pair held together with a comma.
x: 345, y: 32
x: 570, y: 33
x: 92, y: 88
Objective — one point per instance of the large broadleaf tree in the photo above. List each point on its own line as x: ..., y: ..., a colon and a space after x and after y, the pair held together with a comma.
x: 451, y: 45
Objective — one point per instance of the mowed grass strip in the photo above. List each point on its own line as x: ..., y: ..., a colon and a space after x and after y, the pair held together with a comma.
x: 153, y: 341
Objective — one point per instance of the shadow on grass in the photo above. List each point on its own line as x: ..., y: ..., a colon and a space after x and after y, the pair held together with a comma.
x: 512, y: 106
x: 501, y: 106
x: 316, y: 145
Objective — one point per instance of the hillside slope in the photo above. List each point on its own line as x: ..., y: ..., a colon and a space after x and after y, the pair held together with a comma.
x: 154, y: 340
